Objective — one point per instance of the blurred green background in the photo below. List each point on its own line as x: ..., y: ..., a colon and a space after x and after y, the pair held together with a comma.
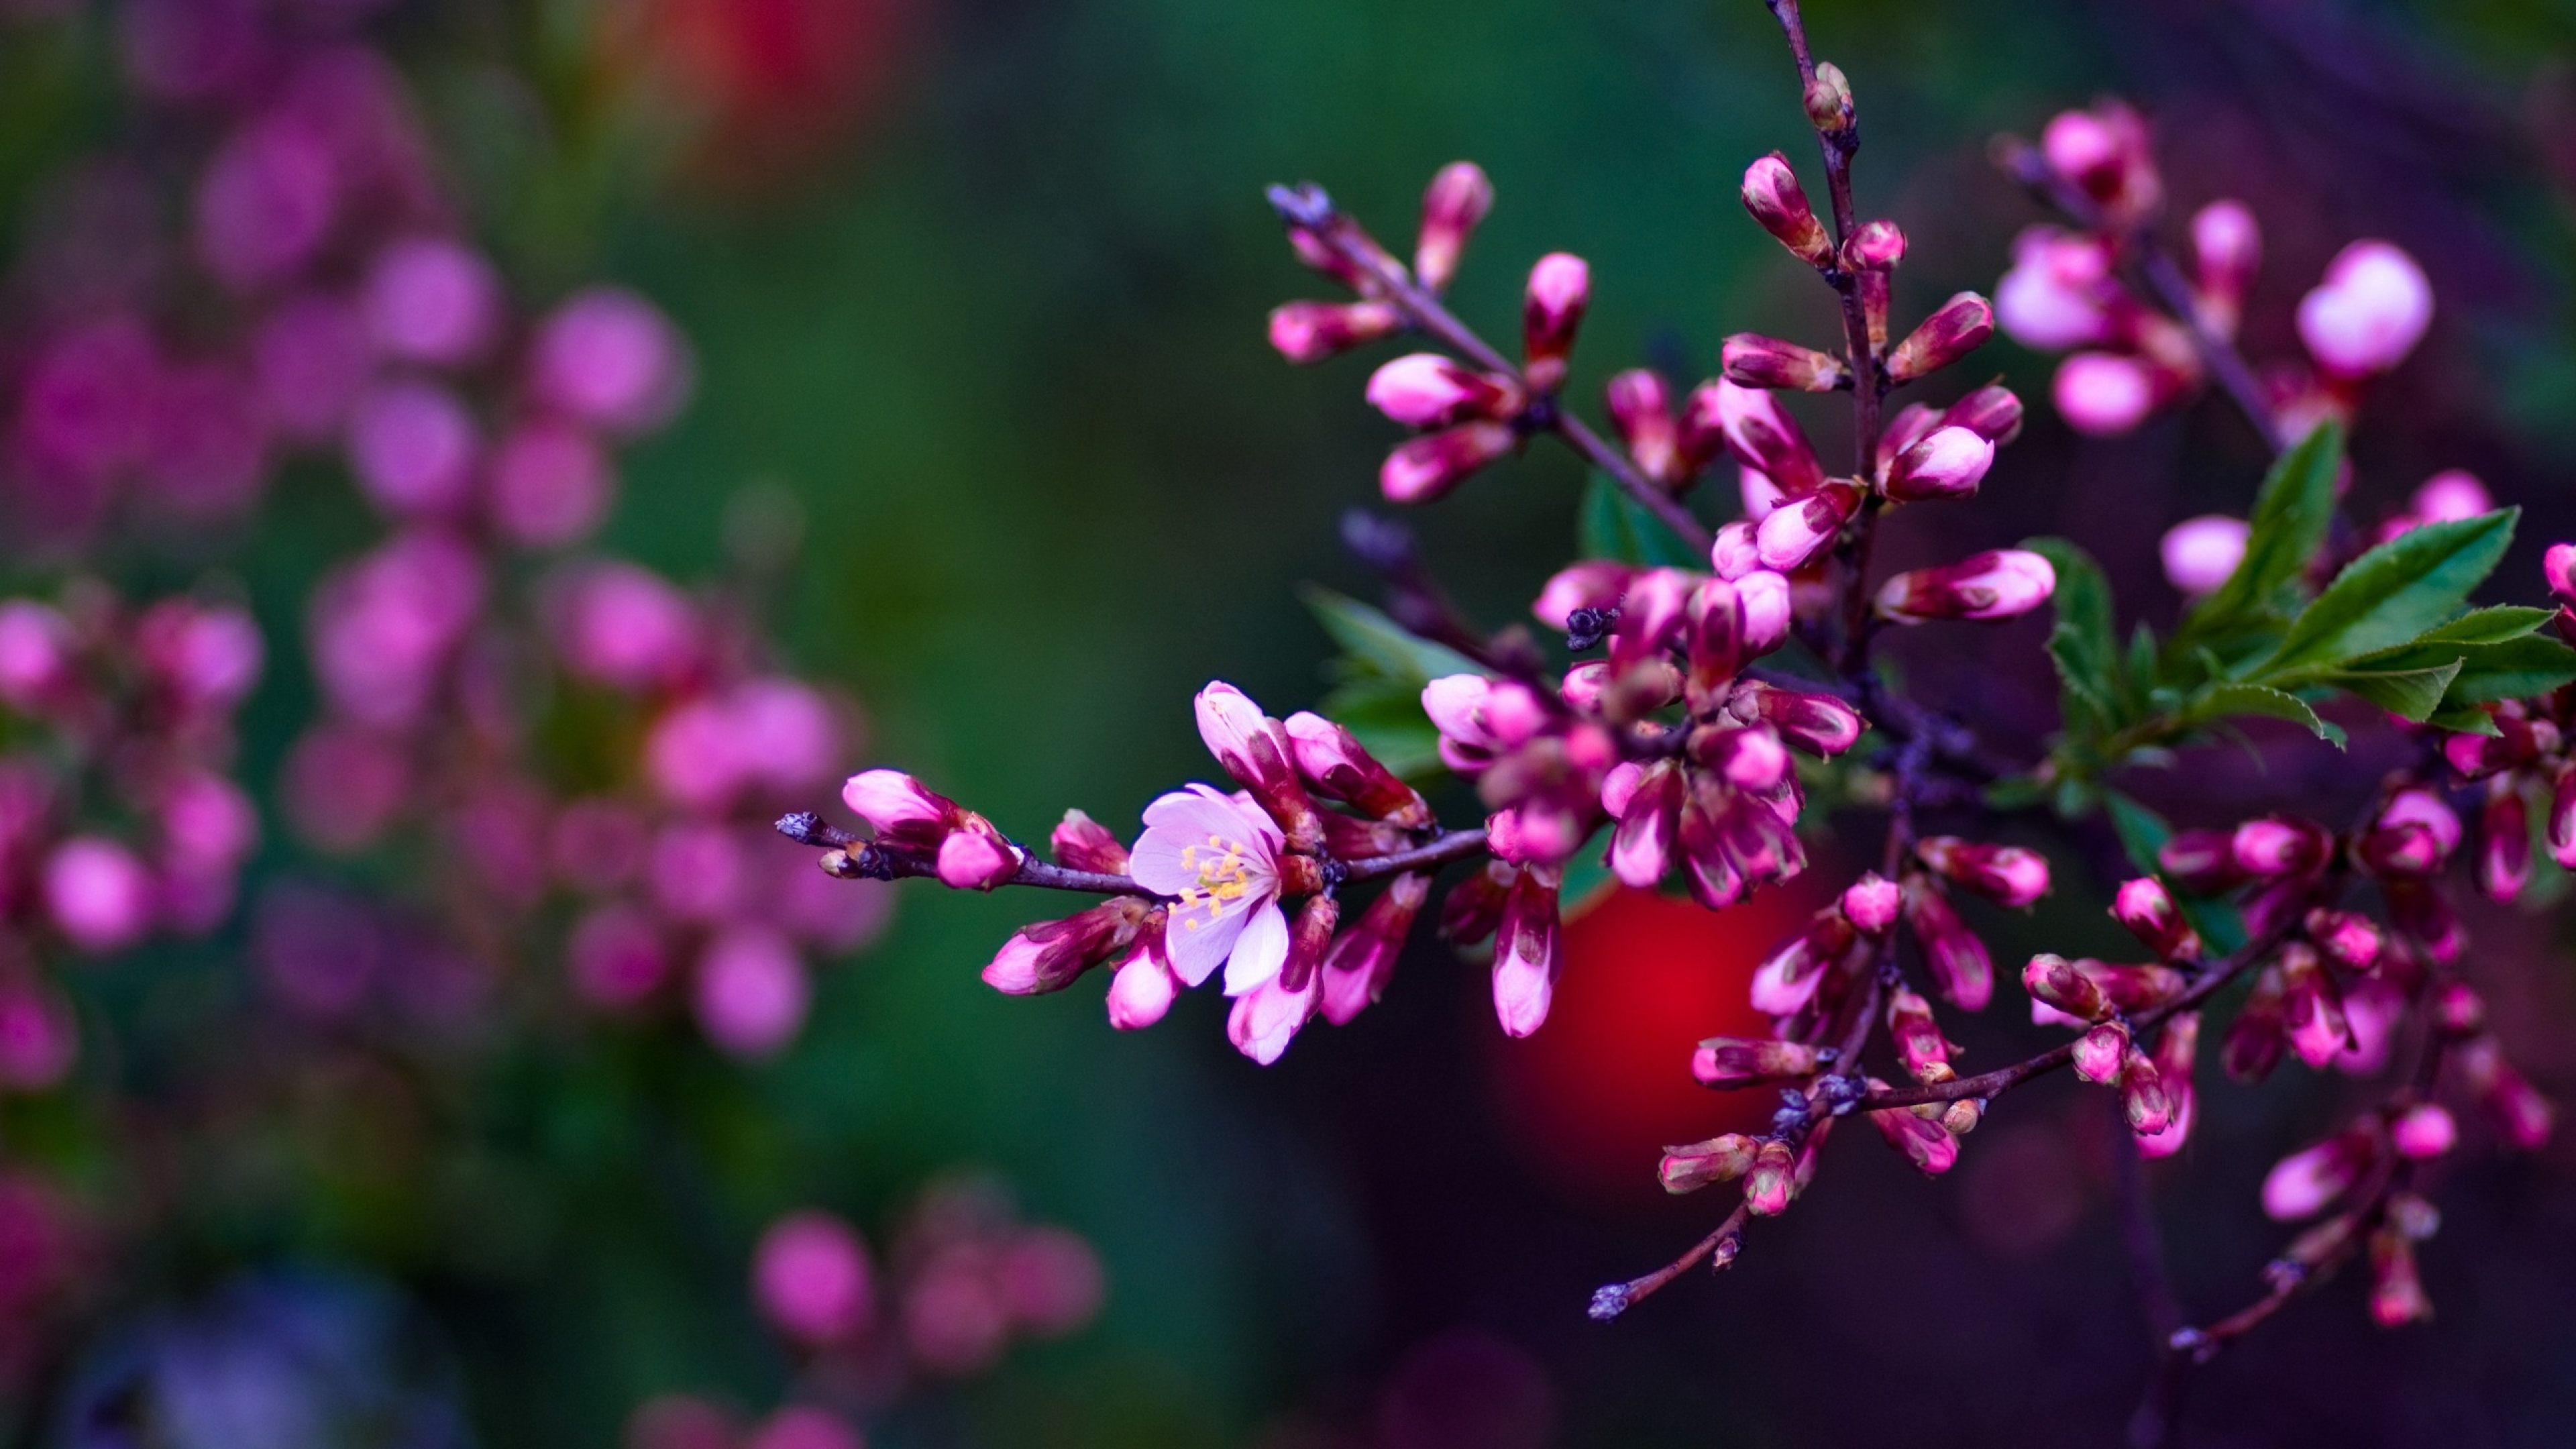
x: 988, y: 308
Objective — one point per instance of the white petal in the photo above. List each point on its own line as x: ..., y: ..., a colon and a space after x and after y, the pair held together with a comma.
x: 1259, y: 951
x: 1199, y: 941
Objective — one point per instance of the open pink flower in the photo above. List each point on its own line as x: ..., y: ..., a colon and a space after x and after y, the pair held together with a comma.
x: 1219, y: 861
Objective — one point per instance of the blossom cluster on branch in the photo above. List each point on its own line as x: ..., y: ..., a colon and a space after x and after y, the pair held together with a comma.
x: 1708, y: 673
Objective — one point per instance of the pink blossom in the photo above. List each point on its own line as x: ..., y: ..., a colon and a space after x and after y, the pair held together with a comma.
x: 2104, y: 393
x: 1870, y: 904
x: 1265, y: 1018
x: 1427, y: 390
x: 2303, y: 1183
x: 1452, y: 206
x: 2199, y: 554
x: 1948, y: 463
x: 1424, y: 468
x: 2369, y: 311
x: 432, y: 300
x: 1999, y: 584
x: 98, y: 894
x: 751, y: 993
x: 1144, y: 986
x: 1526, y: 958
x: 1560, y: 287
x: 2424, y: 1131
x: 622, y: 625
x: 550, y: 485
x: 2449, y: 496
x: 1219, y: 861
x: 414, y: 448
x: 1305, y: 332
x: 2055, y: 297
x: 609, y: 358
x: 810, y: 1277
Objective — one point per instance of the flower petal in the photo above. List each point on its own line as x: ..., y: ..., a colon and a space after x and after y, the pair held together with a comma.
x: 1260, y: 949
x: 1200, y: 941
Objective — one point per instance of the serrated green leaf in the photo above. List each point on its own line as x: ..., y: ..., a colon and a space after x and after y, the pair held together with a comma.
x: 2392, y: 594
x: 2492, y: 625
x: 2082, y: 644
x: 2291, y: 514
x: 1613, y: 525
x: 2464, y: 720
x: 1378, y: 644
x: 2414, y: 693
x: 2221, y: 700
x: 2143, y: 654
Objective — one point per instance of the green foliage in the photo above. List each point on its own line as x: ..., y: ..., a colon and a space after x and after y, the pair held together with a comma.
x: 1378, y: 679
x: 1614, y: 525
x: 2292, y: 512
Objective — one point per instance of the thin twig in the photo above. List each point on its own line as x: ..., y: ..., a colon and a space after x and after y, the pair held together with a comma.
x: 881, y: 860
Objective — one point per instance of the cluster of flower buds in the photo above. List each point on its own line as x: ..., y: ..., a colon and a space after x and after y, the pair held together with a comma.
x: 118, y: 818
x: 1868, y: 257
x: 2127, y: 360
x: 1206, y: 884
x: 2527, y: 765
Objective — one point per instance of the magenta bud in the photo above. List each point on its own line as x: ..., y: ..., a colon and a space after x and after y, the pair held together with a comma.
x: 2106, y: 394
x: 1956, y: 957
x: 2302, y: 1184
x: 1800, y: 529
x: 975, y: 856
x: 2423, y: 1131
x: 1875, y: 246
x: 2204, y: 861
x: 1560, y: 288
x: 2008, y: 875
x: 2142, y: 1095
x: 1924, y: 1142
x: 2143, y: 906
x: 1752, y: 426
x: 1641, y: 848
x: 2173, y: 1058
x: 1787, y: 979
x: 1452, y: 206
x: 2397, y: 1295
x: 899, y: 808
x: 1256, y: 751
x: 2458, y: 1010
x: 2280, y: 845
x: 1427, y: 390
x: 1305, y: 332
x: 1362, y: 959
x: 1947, y: 463
x: 2508, y: 1099
x: 1772, y: 194
x: 2258, y: 1035
x: 1699, y: 1164
x: 2105, y: 153
x: 2226, y: 247
x: 1727, y: 1062
x: 1082, y: 843
x: 2368, y: 313
x: 2312, y: 1007
x: 1144, y: 986
x: 1332, y: 760
x: 2558, y: 566
x: 2347, y: 938
x: 1735, y: 553
x: 1526, y: 958
x: 1960, y: 326
x: 1641, y: 413
x: 1821, y: 724
x: 2199, y: 554
x: 1871, y: 904
x: 2055, y: 980
x: 1050, y: 955
x: 1768, y: 1185
x: 1998, y: 584
x: 1426, y: 468
x: 1474, y: 906
x: 2504, y: 840
x: 1920, y: 1047
x: 1752, y: 360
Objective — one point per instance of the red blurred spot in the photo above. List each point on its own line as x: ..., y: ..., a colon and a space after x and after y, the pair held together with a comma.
x: 1605, y: 1084
x: 783, y: 81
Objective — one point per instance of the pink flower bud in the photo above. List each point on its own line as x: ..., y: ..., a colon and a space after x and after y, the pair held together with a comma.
x: 1050, y: 955
x: 2055, y: 980
x: 1079, y: 842
x: 1957, y: 959
x: 2150, y: 914
x: 2257, y: 1036
x: 35, y: 649
x: 1960, y: 326
x: 2279, y: 845
x: 1425, y: 468
x: 1331, y: 759
x: 1821, y: 724
x: 2008, y: 875
x: 1719, y: 1159
x: 431, y: 300
x: 1998, y: 584
x: 1526, y: 958
x: 2562, y: 817
x: 414, y: 449
x: 1772, y: 194
x: 1427, y: 390
x: 1767, y: 1184
x: 2105, y: 394
x: 1592, y: 584
x: 811, y: 1279
x: 974, y: 856
x: 1735, y: 553
x: 611, y: 622
x: 2457, y: 1010
x: 1786, y: 980
x: 2423, y: 1131
x: 1870, y: 904
x: 2172, y: 1060
x: 1560, y: 287
x: 1256, y: 751
x: 1752, y: 360
x: 1307, y: 332
x: 1144, y: 986
x: 2226, y: 247
x: 610, y: 358
x: 1932, y: 1150
x: 2312, y: 1007
x: 2448, y: 497
x: 1799, y: 530
x: 99, y: 895
x: 1727, y: 1062
x: 1362, y: 958
x: 2397, y: 1293
x: 2142, y: 1095
x: 899, y: 807
x: 1641, y: 848
x: 2104, y: 151
x: 1265, y: 1019
x: 751, y: 994
x: 1949, y: 463
x: 1875, y: 246
x: 2200, y: 554
x: 2504, y: 841
x: 550, y: 485
x: 1761, y: 435
x: 2368, y: 313
x: 1641, y: 413
x: 2348, y: 939
x: 2059, y: 293
x: 1452, y: 206
x: 2558, y: 566
x: 2508, y: 1099
x: 2302, y: 1184
x: 1652, y: 615
x: 1920, y: 1047
x: 2204, y: 861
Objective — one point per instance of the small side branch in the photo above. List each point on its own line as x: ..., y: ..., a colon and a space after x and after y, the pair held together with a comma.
x: 881, y: 860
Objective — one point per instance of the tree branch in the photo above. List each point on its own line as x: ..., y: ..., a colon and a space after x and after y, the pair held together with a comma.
x: 880, y: 860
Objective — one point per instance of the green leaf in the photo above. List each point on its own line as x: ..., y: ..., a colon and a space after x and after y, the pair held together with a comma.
x: 2492, y: 625
x: 1381, y: 646
x: 2143, y: 655
x: 1614, y: 525
x: 2290, y: 517
x: 2511, y: 669
x: 2393, y: 593
x: 2414, y: 693
x: 1588, y: 881
x: 2464, y: 720
x: 2222, y: 700
x: 2086, y: 651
